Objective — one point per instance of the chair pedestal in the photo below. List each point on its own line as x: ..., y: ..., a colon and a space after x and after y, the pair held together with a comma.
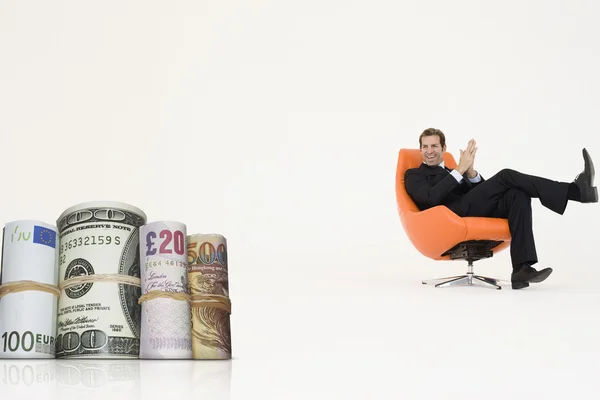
x: 469, y: 279
x: 470, y: 251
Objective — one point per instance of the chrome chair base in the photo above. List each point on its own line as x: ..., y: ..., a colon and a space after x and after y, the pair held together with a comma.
x: 470, y: 251
x: 469, y: 279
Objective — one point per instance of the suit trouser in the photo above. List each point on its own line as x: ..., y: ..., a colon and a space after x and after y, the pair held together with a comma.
x: 508, y: 194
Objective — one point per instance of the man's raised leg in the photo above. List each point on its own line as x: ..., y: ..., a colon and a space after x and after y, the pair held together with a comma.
x: 552, y: 194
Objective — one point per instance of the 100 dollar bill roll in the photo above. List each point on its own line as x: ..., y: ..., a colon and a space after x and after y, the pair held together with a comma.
x: 99, y: 271
x: 28, y: 291
x: 166, y: 327
x: 209, y: 290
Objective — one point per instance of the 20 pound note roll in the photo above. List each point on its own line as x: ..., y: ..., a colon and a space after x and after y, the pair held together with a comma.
x: 29, y: 275
x: 209, y: 290
x: 166, y: 327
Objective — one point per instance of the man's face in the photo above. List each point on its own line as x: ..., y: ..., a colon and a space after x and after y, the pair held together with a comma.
x: 432, y: 151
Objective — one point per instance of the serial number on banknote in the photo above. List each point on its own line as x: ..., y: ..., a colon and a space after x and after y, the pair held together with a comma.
x: 160, y: 263
x: 89, y: 241
x: 101, y: 240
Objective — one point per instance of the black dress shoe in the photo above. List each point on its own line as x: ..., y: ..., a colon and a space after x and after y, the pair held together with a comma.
x: 585, y: 180
x: 521, y: 278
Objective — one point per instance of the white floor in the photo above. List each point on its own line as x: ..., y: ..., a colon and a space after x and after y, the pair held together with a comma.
x: 405, y: 341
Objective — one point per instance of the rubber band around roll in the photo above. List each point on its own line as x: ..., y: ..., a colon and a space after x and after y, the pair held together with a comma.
x: 24, y: 286
x: 114, y: 278
x: 155, y: 294
x: 196, y: 300
x: 211, y: 300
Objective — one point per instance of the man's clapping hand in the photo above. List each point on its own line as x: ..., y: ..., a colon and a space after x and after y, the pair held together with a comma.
x: 467, y: 160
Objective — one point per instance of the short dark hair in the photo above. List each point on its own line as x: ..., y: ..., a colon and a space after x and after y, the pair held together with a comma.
x: 433, y: 132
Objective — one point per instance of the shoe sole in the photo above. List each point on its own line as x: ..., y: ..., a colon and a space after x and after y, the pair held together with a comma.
x: 589, y: 166
x: 541, y: 277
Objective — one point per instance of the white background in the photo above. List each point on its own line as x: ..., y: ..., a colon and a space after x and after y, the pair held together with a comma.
x: 278, y: 124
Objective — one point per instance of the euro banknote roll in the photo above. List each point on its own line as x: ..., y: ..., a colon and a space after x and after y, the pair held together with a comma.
x: 99, y: 276
x: 166, y: 327
x: 28, y: 290
x: 208, y: 278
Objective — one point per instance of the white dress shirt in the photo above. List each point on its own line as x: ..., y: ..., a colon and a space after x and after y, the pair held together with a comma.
x: 459, y: 177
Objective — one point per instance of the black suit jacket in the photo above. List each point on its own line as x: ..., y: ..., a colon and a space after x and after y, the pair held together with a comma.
x: 434, y: 186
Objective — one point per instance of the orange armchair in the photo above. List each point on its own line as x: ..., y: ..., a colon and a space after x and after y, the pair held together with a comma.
x: 440, y: 234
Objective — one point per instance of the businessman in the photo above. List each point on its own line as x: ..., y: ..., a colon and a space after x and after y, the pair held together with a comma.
x: 507, y: 194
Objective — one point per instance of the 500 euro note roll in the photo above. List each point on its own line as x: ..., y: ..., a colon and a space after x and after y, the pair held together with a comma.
x: 99, y: 275
x: 209, y: 290
x: 28, y: 279
x: 166, y: 326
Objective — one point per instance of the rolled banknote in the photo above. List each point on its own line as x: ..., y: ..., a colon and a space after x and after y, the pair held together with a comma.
x: 166, y: 327
x: 99, y: 275
x: 28, y: 290
x: 209, y: 290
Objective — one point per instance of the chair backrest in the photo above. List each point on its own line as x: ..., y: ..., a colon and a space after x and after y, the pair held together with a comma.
x: 412, y: 158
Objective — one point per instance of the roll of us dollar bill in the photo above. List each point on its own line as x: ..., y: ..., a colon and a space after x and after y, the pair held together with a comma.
x: 209, y: 293
x: 28, y: 290
x: 166, y: 327
x: 99, y: 276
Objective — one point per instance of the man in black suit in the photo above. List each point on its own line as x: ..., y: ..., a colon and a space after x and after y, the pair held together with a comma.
x: 507, y: 194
